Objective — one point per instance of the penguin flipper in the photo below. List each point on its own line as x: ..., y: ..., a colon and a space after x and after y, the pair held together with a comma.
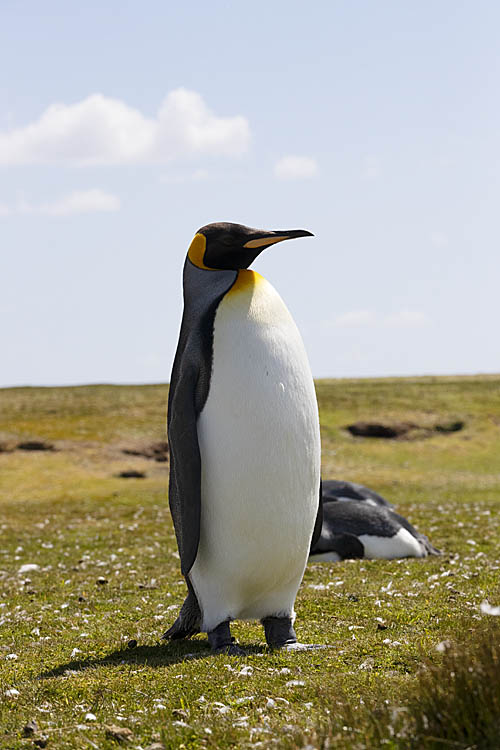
x: 189, y: 386
x: 338, y: 489
x: 184, y: 493
x: 346, y: 546
x: 189, y: 620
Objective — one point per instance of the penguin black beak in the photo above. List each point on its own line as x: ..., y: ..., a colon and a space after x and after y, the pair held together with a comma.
x: 262, y: 239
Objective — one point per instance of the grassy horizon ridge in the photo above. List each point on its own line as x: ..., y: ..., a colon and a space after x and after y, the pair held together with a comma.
x: 422, y: 376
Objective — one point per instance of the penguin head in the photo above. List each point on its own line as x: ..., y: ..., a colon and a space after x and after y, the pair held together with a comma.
x: 227, y: 246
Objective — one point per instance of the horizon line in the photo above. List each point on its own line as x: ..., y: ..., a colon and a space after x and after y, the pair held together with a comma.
x: 130, y: 384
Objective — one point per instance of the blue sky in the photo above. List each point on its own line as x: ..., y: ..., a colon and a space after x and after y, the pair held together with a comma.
x: 124, y: 126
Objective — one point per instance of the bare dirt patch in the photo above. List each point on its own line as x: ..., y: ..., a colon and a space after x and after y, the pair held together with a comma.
x: 131, y: 474
x: 402, y: 430
x: 157, y: 451
x: 35, y: 445
x: 381, y: 430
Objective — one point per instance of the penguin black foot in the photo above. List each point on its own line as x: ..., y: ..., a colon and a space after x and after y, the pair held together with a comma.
x: 279, y: 631
x: 280, y: 634
x: 221, y: 641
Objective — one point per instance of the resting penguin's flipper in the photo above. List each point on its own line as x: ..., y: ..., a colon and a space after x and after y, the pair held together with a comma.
x: 338, y: 489
x: 189, y: 387
x: 189, y: 620
x: 347, y: 546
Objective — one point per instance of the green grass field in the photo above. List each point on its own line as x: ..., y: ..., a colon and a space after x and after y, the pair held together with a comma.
x: 108, y: 573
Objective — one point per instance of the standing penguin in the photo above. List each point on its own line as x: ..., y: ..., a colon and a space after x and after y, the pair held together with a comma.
x: 244, y: 440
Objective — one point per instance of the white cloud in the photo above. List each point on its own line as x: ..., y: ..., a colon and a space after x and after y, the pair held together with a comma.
x: 371, y: 168
x: 198, y: 175
x: 370, y: 318
x: 77, y: 202
x: 439, y: 239
x: 296, y: 168
x: 406, y: 319
x: 102, y: 131
x: 355, y: 318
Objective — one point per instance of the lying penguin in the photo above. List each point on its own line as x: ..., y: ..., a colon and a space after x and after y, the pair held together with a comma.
x: 359, y: 523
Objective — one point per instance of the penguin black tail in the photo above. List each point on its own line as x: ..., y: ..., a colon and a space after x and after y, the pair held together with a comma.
x: 188, y: 623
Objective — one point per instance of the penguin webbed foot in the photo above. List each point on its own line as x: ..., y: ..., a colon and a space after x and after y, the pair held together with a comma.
x: 221, y: 641
x: 280, y: 634
x: 296, y: 646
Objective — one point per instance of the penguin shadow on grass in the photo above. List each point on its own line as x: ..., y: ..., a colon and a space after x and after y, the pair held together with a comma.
x: 157, y: 656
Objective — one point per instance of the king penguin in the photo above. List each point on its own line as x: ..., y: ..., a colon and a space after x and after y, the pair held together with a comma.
x: 361, y: 528
x: 243, y: 429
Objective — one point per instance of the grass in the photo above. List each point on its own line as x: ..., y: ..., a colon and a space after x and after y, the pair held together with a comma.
x: 454, y: 704
x: 64, y: 656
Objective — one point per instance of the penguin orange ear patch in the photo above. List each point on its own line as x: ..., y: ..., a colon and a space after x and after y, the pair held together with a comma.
x: 264, y: 241
x: 196, y: 251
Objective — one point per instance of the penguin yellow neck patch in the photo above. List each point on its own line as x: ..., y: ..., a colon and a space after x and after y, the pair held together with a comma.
x: 196, y: 251
x: 246, y: 281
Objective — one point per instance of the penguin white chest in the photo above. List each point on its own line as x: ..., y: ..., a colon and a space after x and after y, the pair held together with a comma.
x: 260, y: 454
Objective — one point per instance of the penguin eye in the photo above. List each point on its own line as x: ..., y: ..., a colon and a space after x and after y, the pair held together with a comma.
x: 226, y: 240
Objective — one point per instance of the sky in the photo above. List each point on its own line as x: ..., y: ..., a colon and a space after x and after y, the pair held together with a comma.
x: 125, y: 126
